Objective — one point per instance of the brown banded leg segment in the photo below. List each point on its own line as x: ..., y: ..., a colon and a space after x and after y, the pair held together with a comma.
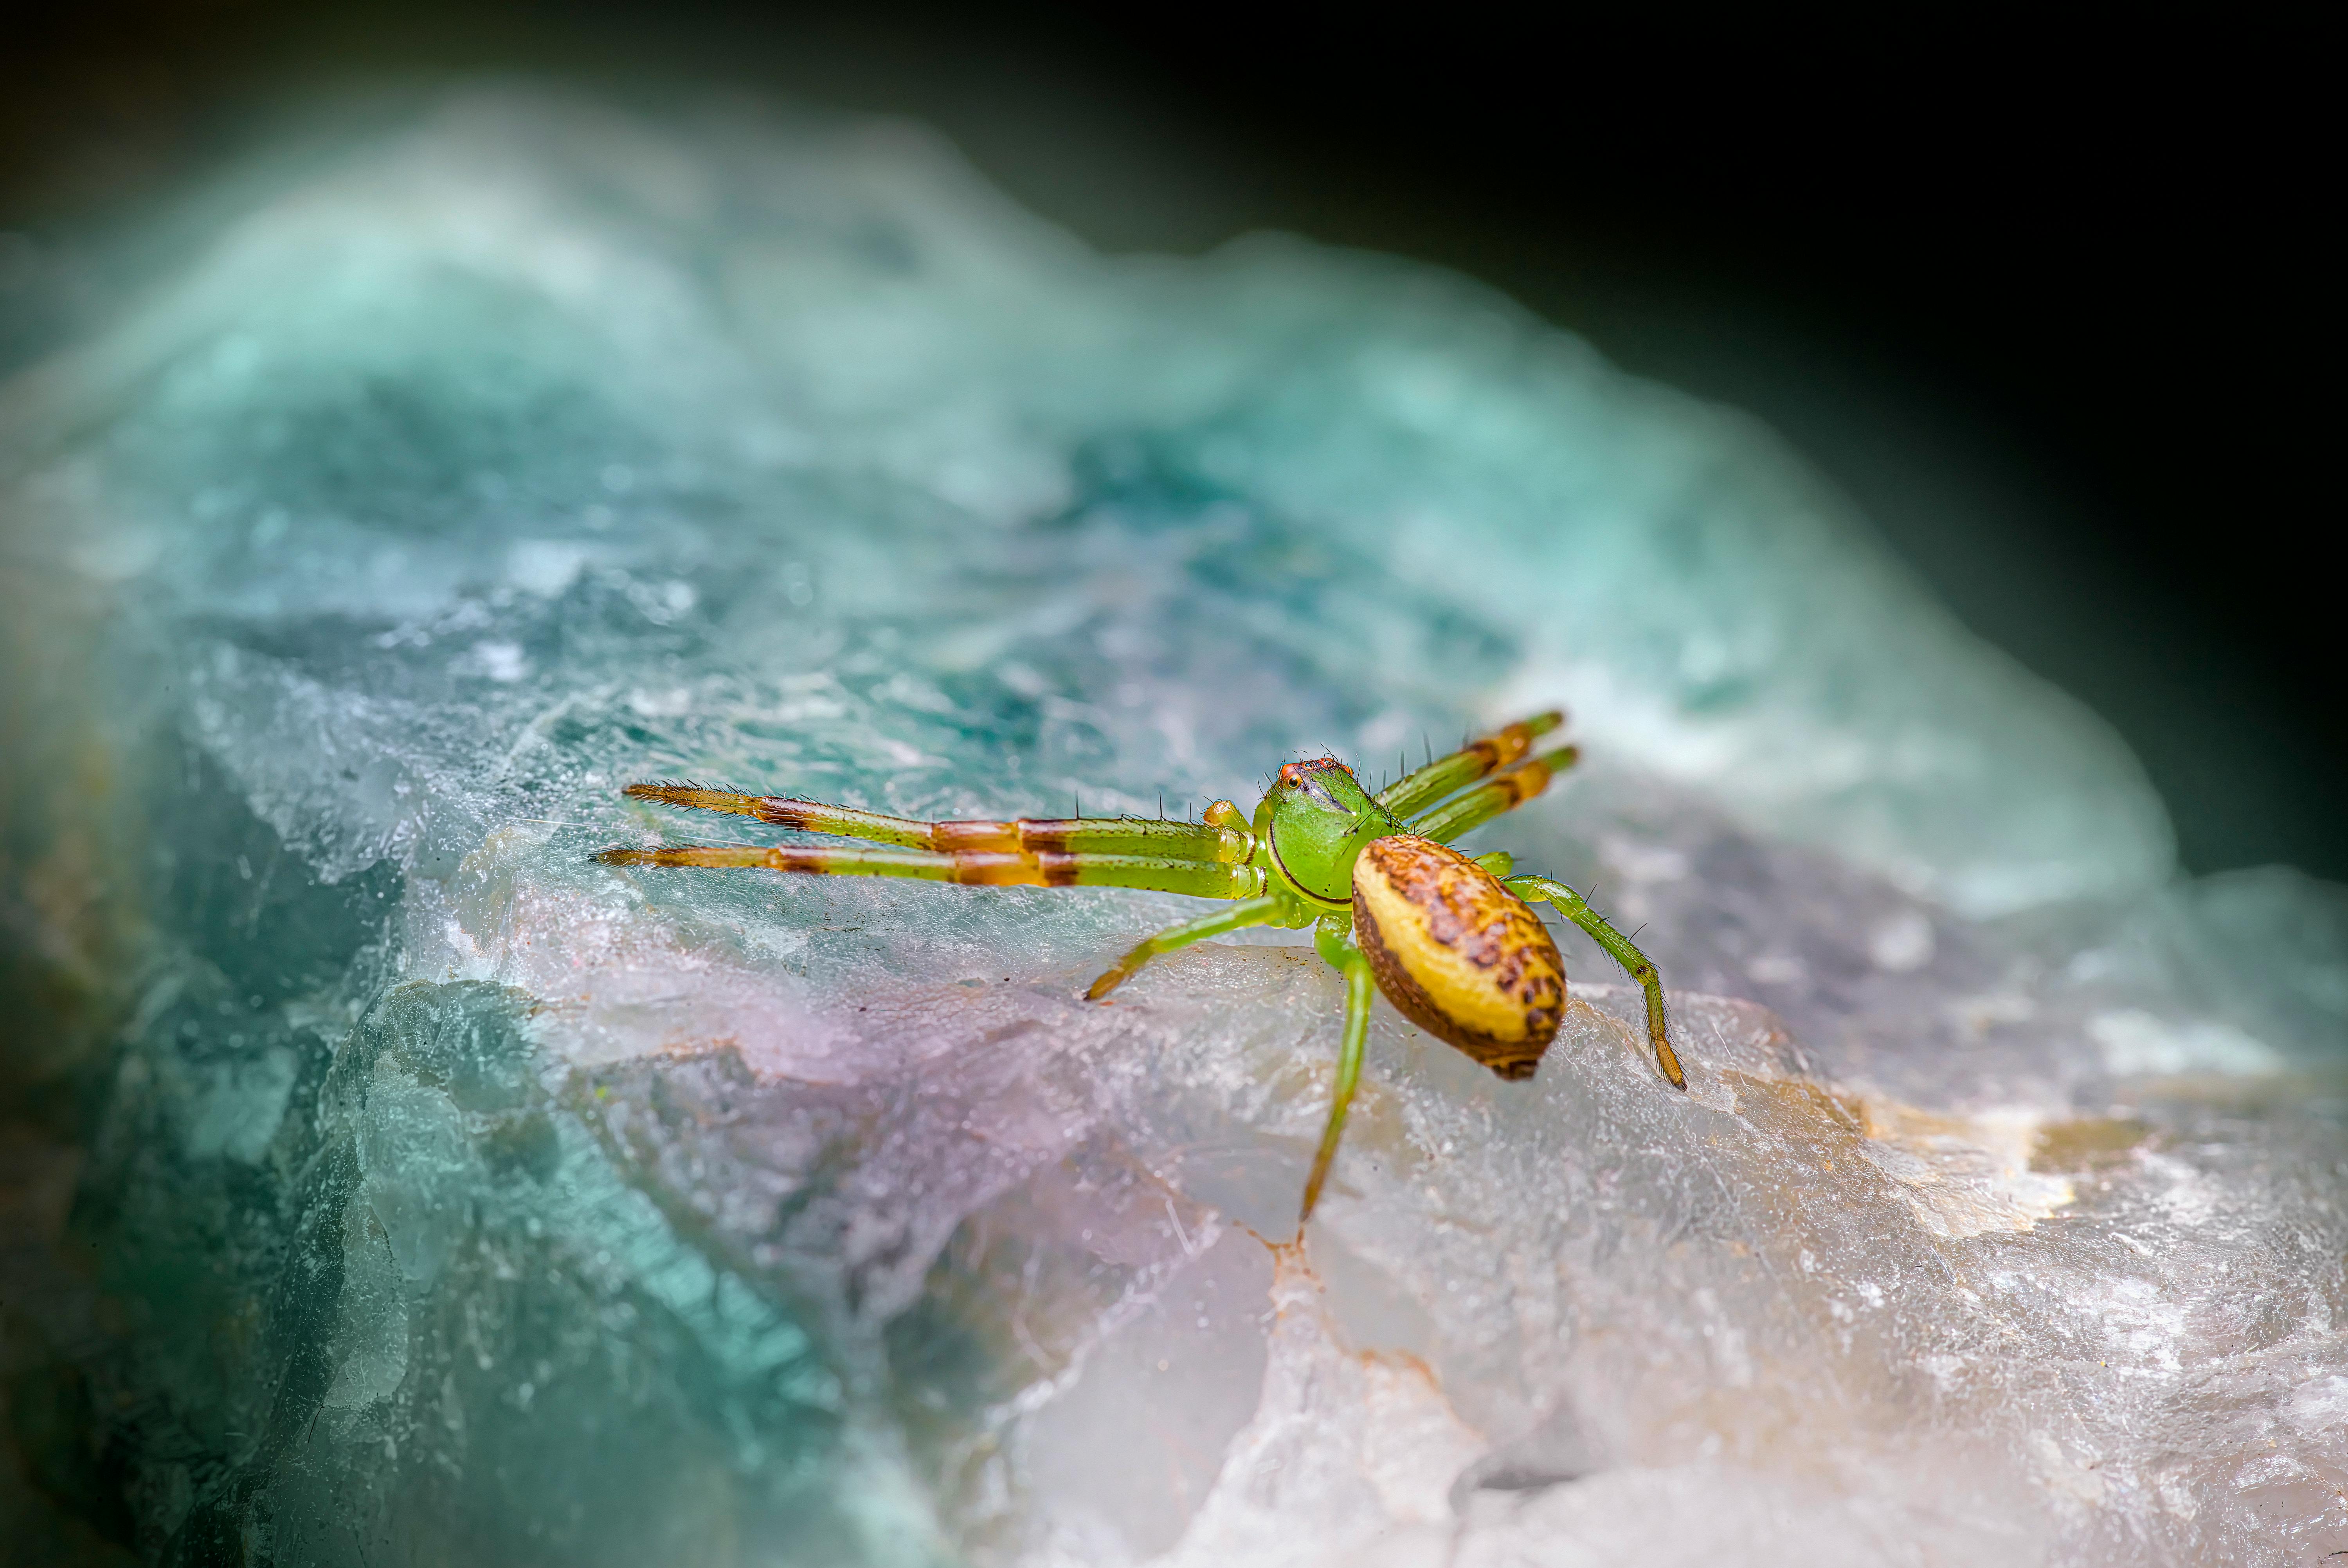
x: 1488, y: 800
x: 1213, y: 841
x: 1635, y: 963
x: 1359, y: 986
x: 970, y: 868
x: 1444, y: 776
x: 1254, y: 912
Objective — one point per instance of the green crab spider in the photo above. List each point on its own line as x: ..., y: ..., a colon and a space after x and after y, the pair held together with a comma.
x: 1394, y: 908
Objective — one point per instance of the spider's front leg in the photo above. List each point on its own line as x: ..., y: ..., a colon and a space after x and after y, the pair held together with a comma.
x: 1222, y: 836
x: 1505, y: 792
x: 1422, y: 788
x: 1332, y: 938
x: 1207, y: 859
x: 970, y: 868
x: 1571, y: 904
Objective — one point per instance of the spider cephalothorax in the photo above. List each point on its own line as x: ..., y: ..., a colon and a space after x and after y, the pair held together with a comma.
x: 1316, y: 819
x: 1448, y: 939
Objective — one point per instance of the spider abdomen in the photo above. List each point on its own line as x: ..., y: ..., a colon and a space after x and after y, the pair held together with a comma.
x: 1457, y: 953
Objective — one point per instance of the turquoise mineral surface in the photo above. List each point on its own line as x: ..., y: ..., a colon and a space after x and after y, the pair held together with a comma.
x: 386, y: 1182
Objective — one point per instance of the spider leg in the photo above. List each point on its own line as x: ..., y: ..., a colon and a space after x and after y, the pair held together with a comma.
x: 1486, y: 802
x: 1359, y: 986
x: 1417, y: 790
x: 1254, y: 912
x: 1569, y: 904
x: 972, y: 868
x: 1221, y: 840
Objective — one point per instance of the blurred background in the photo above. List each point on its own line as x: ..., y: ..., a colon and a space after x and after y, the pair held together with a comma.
x: 2041, y: 298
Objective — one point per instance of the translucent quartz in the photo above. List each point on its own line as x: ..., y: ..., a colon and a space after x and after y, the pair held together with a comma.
x: 453, y: 1199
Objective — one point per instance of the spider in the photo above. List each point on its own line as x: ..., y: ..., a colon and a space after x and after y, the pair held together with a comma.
x: 1449, y: 938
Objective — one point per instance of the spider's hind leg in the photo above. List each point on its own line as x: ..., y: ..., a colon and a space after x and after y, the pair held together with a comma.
x: 1637, y: 964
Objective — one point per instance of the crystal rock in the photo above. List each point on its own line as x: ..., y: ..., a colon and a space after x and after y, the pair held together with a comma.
x: 447, y: 1197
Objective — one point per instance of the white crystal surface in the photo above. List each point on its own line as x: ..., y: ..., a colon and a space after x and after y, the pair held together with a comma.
x: 474, y: 1203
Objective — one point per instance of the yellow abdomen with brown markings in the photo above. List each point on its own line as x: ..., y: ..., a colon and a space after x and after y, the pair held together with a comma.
x: 1457, y: 953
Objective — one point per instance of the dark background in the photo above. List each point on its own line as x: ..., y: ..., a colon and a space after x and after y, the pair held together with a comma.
x: 2041, y: 297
